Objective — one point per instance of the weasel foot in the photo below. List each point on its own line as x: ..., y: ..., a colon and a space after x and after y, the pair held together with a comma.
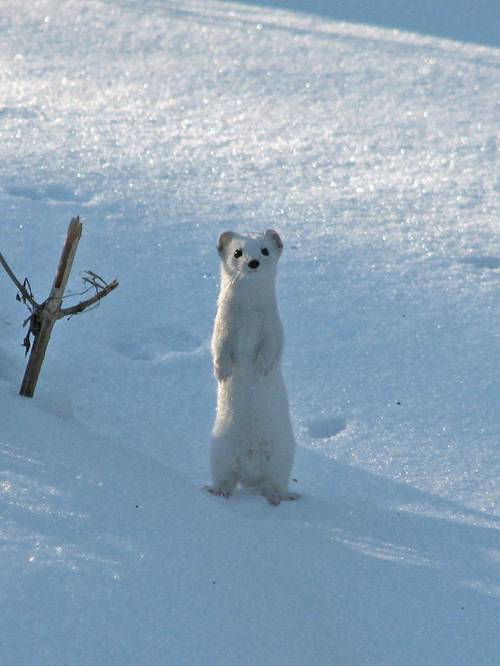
x: 276, y: 498
x: 218, y: 492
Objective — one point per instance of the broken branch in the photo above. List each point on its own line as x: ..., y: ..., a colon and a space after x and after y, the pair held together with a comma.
x: 22, y: 289
x: 43, y: 317
x: 83, y: 305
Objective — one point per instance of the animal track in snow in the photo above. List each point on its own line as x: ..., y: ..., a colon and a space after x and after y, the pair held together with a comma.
x: 17, y: 112
x: 482, y: 261
x: 326, y: 427
x: 51, y: 192
x: 159, y: 345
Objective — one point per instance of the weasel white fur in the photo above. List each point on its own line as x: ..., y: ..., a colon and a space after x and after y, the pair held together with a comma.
x: 252, y: 438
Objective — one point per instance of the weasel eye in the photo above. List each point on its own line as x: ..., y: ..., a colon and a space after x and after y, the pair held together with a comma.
x: 238, y: 253
x: 265, y: 251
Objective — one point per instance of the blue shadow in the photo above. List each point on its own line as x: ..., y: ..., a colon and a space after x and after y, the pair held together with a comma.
x: 476, y: 21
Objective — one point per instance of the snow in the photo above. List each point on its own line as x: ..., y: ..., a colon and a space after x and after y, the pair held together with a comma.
x: 375, y: 154
x: 466, y: 21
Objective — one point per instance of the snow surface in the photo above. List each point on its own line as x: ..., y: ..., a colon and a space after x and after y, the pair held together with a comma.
x: 375, y: 154
x: 465, y: 20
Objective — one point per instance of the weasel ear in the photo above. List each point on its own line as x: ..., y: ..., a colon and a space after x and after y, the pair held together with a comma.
x: 276, y: 238
x: 224, y: 239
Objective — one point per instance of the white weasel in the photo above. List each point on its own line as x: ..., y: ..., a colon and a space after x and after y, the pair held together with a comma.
x: 252, y: 438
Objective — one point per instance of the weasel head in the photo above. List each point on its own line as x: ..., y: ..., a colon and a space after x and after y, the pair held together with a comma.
x: 251, y: 257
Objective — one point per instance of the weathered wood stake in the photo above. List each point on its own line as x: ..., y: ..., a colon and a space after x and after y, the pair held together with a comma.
x: 49, y: 312
x: 44, y: 316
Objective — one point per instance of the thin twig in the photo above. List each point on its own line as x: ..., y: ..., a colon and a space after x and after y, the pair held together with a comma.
x: 25, y: 293
x: 72, y: 294
x: 83, y: 305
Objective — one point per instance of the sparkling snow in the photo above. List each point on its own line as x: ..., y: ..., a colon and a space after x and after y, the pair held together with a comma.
x: 375, y: 154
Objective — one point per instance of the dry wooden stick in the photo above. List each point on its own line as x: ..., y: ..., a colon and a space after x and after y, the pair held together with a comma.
x: 24, y: 292
x: 44, y: 316
x: 83, y: 305
x: 48, y: 314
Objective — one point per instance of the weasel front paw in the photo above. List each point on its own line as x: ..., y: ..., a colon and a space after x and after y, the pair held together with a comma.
x: 264, y: 363
x: 222, y: 369
x: 218, y: 491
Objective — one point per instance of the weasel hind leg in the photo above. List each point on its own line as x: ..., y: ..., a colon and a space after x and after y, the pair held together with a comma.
x: 223, y: 488
x: 225, y: 479
x: 224, y: 467
x: 275, y: 499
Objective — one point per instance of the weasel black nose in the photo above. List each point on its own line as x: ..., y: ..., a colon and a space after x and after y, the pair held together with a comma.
x: 253, y: 263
